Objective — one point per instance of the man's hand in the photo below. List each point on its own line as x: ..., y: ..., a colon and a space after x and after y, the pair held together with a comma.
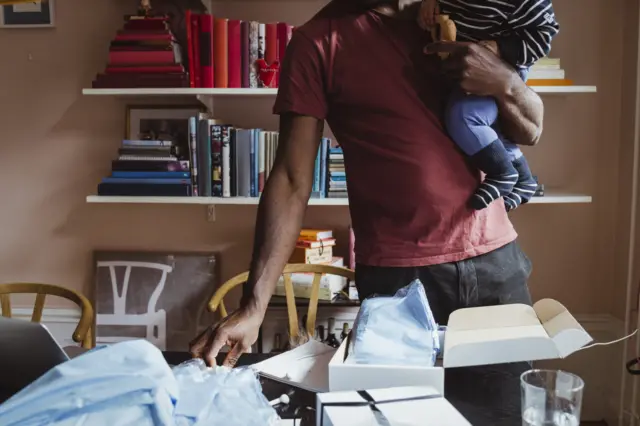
x: 475, y: 68
x: 479, y: 71
x: 239, y: 330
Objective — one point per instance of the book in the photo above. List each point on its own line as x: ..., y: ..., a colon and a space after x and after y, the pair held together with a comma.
x: 315, y: 234
x: 327, y: 242
x: 234, y: 54
x: 221, y: 53
x: 205, y: 44
x: 312, y: 256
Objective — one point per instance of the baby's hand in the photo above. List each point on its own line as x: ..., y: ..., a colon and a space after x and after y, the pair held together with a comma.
x: 427, y: 15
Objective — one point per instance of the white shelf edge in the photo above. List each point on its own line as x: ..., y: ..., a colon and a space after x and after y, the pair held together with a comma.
x: 177, y: 91
x: 550, y: 198
x: 189, y: 91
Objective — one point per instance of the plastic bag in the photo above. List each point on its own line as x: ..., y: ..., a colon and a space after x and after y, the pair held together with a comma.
x: 220, y: 396
x: 395, y: 330
x: 130, y: 384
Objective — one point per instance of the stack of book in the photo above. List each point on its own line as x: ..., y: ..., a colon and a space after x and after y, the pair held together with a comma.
x: 144, y: 54
x: 547, y: 72
x: 148, y: 168
x: 315, y: 247
x: 229, y: 53
x: 337, y: 176
x: 229, y: 161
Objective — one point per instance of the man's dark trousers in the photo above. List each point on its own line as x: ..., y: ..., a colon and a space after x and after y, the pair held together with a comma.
x: 486, y: 395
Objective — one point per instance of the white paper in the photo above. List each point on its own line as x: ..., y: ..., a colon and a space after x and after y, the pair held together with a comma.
x: 306, y: 366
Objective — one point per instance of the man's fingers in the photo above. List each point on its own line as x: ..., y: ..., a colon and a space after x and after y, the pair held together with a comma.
x: 196, y: 346
x: 234, y: 354
x: 215, y: 343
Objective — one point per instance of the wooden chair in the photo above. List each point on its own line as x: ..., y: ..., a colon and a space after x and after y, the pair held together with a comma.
x: 317, y: 270
x: 83, y: 332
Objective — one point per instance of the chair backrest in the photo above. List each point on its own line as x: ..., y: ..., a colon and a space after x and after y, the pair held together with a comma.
x: 83, y: 332
x: 317, y: 270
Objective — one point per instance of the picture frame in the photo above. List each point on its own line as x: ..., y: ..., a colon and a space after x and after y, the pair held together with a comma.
x: 159, y: 296
x: 28, y: 14
x: 159, y: 122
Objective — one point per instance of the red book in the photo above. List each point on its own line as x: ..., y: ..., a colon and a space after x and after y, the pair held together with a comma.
x: 141, y: 57
x: 271, y: 43
x: 195, y: 37
x: 143, y: 36
x: 220, y: 53
x: 235, y: 56
x: 190, y: 52
x: 284, y: 36
x: 244, y: 54
x: 206, y: 50
x: 151, y: 69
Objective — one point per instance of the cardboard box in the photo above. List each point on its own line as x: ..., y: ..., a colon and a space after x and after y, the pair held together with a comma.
x: 404, y: 406
x: 475, y: 336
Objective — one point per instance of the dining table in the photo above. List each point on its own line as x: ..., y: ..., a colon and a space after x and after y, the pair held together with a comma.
x: 486, y: 396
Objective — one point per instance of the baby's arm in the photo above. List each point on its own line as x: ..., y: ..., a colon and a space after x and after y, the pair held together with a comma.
x: 533, y: 26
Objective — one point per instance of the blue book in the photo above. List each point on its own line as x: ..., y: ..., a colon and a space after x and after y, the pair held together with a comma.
x: 252, y: 165
x: 151, y: 175
x: 152, y: 181
x: 316, y: 173
x: 324, y: 146
x: 256, y: 160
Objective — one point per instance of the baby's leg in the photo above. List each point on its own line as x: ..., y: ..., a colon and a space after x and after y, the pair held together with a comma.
x: 469, y: 119
x: 526, y: 185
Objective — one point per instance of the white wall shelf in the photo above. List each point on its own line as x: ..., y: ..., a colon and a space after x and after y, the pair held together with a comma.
x: 189, y: 91
x: 551, y: 197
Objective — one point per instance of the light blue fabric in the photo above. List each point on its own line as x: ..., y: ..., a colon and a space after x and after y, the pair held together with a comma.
x: 396, y: 330
x: 129, y: 384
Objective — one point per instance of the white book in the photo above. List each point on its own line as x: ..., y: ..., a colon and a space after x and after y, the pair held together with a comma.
x: 546, y: 74
x: 261, y: 40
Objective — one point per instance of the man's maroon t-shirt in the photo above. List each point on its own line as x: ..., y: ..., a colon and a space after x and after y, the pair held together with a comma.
x: 408, y: 185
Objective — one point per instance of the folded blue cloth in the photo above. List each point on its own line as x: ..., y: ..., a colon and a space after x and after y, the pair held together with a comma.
x: 129, y: 384
x: 395, y: 330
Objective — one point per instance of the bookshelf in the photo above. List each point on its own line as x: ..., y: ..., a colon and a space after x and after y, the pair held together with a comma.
x: 188, y: 91
x: 551, y: 197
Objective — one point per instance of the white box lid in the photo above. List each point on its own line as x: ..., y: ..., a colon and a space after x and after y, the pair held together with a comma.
x: 511, y: 333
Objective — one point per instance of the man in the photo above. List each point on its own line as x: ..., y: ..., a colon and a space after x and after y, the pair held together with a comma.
x: 362, y: 66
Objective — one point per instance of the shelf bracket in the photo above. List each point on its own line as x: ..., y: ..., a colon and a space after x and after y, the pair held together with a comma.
x: 211, y: 213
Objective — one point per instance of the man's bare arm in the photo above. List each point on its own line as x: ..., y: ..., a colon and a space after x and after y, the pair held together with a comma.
x: 521, y: 112
x: 282, y: 206
x: 479, y: 71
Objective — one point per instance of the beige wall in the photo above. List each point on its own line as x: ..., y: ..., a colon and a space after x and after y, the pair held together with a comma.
x: 57, y: 144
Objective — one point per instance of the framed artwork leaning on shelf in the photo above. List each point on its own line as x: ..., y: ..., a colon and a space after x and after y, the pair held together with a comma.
x: 156, y: 122
x: 27, y: 14
x: 158, y: 296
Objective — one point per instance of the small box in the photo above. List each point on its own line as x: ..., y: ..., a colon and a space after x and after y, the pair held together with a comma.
x: 474, y: 336
x: 406, y: 406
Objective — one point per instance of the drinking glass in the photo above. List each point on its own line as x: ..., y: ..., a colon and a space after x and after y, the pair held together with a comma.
x: 551, y: 398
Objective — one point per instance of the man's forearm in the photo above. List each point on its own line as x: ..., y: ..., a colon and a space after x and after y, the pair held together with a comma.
x: 521, y: 112
x: 280, y: 215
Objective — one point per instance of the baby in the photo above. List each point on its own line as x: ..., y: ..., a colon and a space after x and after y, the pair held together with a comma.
x: 519, y: 32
